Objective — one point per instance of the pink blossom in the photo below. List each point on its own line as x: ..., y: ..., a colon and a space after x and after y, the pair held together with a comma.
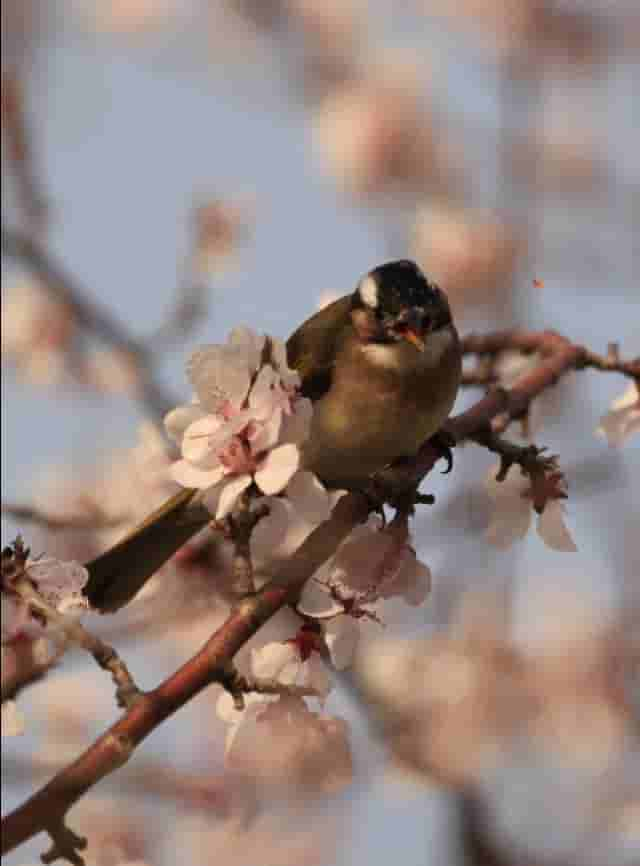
x: 59, y: 584
x: 245, y: 424
x: 512, y: 513
x: 622, y: 421
x: 286, y: 664
x: 372, y: 563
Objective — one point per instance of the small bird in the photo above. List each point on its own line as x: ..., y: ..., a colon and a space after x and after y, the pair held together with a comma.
x: 382, y: 367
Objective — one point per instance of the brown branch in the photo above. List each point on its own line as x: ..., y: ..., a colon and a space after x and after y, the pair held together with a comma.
x: 52, y: 802
x: 31, y: 198
x: 88, y: 314
x: 548, y: 343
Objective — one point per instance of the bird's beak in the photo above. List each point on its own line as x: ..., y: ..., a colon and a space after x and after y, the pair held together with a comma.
x: 415, y: 339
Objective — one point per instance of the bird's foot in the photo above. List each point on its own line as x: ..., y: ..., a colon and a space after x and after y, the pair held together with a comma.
x: 385, y: 487
x: 443, y: 442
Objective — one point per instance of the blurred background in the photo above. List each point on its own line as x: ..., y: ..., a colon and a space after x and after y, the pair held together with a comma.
x: 174, y: 168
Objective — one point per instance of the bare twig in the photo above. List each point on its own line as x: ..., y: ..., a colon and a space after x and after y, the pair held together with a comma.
x: 32, y: 199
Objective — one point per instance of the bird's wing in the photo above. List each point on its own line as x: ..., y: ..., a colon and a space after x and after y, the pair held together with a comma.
x: 311, y: 350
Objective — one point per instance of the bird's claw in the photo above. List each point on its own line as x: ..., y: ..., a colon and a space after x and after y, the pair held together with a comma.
x: 443, y: 443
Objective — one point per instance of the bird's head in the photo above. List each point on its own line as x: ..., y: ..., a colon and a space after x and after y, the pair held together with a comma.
x: 396, y: 302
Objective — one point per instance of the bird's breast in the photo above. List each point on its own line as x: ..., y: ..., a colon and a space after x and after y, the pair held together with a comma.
x: 379, y: 408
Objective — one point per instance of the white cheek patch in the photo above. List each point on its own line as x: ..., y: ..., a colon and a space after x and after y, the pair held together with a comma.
x: 382, y: 354
x: 368, y: 290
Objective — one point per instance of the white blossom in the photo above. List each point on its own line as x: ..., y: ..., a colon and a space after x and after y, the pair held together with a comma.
x: 289, y: 664
x: 245, y: 424
x: 622, y: 421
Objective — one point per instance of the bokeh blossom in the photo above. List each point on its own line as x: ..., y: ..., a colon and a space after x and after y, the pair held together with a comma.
x: 282, y: 742
x: 244, y: 426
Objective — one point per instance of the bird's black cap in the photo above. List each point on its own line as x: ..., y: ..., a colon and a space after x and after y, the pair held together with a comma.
x: 398, y: 284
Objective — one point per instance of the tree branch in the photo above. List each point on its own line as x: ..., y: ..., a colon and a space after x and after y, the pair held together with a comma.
x: 211, y: 664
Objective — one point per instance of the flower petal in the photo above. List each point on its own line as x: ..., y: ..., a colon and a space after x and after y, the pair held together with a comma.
x: 177, y: 421
x: 316, y: 601
x: 250, y: 343
x: 277, y: 468
x: 309, y: 497
x: 232, y: 489
x: 265, y: 434
x: 188, y: 475
x: 552, y: 529
x: 277, y: 661
x: 508, y: 524
x: 341, y: 635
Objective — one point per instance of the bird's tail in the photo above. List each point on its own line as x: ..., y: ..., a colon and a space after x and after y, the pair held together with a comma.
x: 118, y: 574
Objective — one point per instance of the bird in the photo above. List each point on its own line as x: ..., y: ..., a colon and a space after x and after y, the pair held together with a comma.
x: 382, y: 366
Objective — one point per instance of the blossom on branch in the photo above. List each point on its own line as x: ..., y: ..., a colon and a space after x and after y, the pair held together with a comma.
x: 244, y: 426
x: 58, y: 584
x: 513, y: 499
x: 622, y: 421
x: 372, y: 563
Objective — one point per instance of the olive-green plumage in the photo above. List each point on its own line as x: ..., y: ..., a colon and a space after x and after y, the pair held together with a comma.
x: 382, y: 367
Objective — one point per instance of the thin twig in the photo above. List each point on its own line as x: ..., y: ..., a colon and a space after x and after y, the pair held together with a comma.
x: 127, y: 693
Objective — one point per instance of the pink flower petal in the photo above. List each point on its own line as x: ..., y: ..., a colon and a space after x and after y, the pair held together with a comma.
x: 341, y: 635
x: 232, y: 489
x: 552, y: 529
x: 177, y: 421
x: 509, y: 524
x: 188, y: 475
x: 309, y: 497
x: 277, y: 468
x: 261, y: 398
x: 266, y: 433
x: 316, y: 601
x: 277, y: 661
